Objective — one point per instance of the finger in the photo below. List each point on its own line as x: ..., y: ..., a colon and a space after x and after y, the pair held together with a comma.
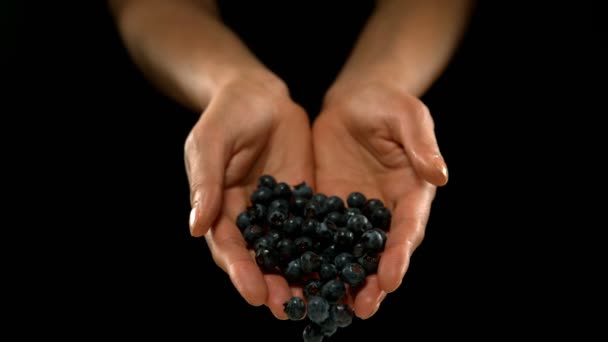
x: 415, y: 131
x: 205, y: 159
x: 230, y: 253
x: 407, y: 231
x: 368, y: 299
x: 278, y: 293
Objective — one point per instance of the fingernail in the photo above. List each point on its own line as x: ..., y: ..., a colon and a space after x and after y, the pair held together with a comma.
x: 192, y: 220
x: 442, y: 168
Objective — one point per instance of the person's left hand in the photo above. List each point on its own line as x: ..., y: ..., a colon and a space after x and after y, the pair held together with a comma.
x: 380, y: 141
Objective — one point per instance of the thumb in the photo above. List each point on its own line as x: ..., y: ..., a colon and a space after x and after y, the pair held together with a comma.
x: 416, y: 132
x: 205, y: 161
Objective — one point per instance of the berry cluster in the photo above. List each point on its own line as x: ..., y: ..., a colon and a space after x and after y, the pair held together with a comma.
x: 317, y: 242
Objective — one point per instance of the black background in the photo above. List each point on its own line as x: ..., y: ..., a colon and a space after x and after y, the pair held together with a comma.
x: 107, y: 196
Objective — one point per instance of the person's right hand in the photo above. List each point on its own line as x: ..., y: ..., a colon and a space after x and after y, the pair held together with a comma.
x: 249, y: 128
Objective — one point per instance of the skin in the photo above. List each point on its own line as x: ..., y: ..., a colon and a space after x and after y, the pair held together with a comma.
x: 373, y: 127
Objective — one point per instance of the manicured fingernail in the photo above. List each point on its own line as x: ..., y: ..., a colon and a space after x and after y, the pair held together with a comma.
x: 441, y: 167
x: 192, y: 220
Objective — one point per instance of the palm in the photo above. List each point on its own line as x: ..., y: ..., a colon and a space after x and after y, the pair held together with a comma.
x: 275, y: 142
x: 358, y: 148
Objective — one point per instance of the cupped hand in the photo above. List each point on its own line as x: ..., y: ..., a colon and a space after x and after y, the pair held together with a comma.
x: 380, y: 141
x: 249, y: 128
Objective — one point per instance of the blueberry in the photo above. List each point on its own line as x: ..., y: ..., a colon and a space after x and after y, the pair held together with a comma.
x: 369, y: 262
x: 335, y: 203
x: 344, y: 239
x: 358, y: 250
x: 353, y: 274
x: 263, y: 242
x: 277, y: 217
x: 293, y: 272
x: 286, y: 249
x: 336, y: 218
x: 275, y: 235
x: 324, y: 234
x: 244, y: 220
x: 372, y: 241
x: 311, y: 262
x: 333, y: 290
x: 267, y: 181
x: 329, y: 253
x: 348, y: 212
x: 261, y: 195
x: 371, y: 205
x: 309, y: 227
x: 279, y: 204
x: 312, y: 333
x: 293, y: 226
x: 318, y: 309
x: 268, y: 259
x: 298, y: 205
x: 328, y: 272
x: 358, y: 224
x: 343, y: 259
x: 302, y: 190
x: 295, y: 308
x: 282, y: 190
x: 383, y: 233
x: 257, y: 212
x: 356, y: 200
x: 329, y: 326
x: 312, y: 209
x: 381, y: 218
x: 303, y: 244
x: 252, y: 233
x: 342, y: 314
x: 312, y: 288
x: 321, y: 201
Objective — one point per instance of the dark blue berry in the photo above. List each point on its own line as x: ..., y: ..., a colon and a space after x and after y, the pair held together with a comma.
x: 369, y: 262
x: 275, y: 235
x: 279, y: 204
x: 328, y: 272
x: 261, y: 195
x: 318, y: 309
x: 312, y: 288
x: 267, y: 181
x: 381, y: 218
x: 295, y: 308
x: 312, y: 210
x: 336, y: 218
x: 348, y: 212
x: 293, y: 272
x: 333, y: 290
x: 293, y: 226
x: 344, y: 239
x: 257, y: 212
x: 286, y: 249
x: 282, y: 190
x: 324, y: 234
x: 244, y: 220
x: 252, y: 233
x: 303, y: 244
x: 312, y: 333
x: 342, y: 314
x: 277, y: 217
x: 358, y: 250
x: 335, y: 203
x: 329, y: 326
x: 372, y: 241
x: 353, y: 274
x: 329, y: 253
x: 263, y: 242
x: 358, y: 224
x: 383, y: 233
x: 311, y: 262
x: 343, y: 259
x: 302, y: 190
x: 299, y: 203
x: 309, y: 227
x: 371, y: 205
x: 356, y: 200
x: 268, y: 259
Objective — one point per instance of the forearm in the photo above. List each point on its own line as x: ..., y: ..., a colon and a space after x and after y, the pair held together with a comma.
x: 406, y: 43
x: 184, y: 48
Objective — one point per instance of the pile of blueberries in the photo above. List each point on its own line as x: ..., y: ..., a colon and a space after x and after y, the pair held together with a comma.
x: 317, y: 242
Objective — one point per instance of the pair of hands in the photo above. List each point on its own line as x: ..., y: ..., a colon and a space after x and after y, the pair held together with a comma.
x: 373, y: 138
